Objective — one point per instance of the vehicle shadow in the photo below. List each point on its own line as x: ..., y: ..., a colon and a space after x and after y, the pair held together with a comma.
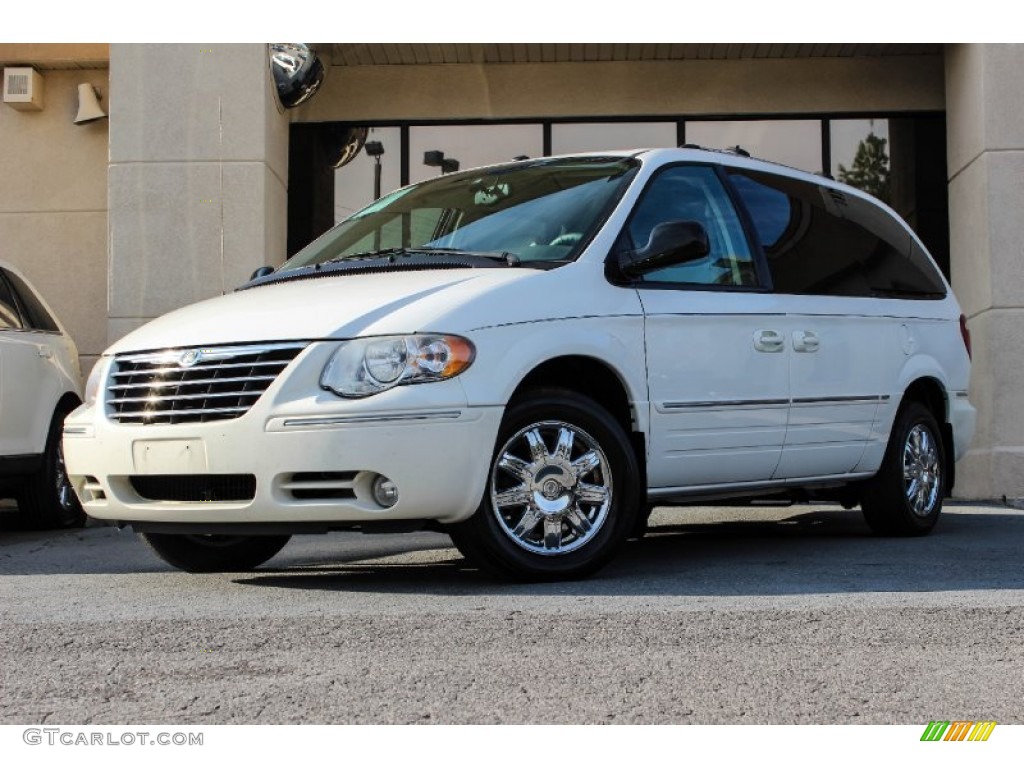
x: 96, y: 548
x: 812, y: 552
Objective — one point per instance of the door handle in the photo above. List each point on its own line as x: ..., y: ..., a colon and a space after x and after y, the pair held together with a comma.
x: 805, y: 341
x: 46, y: 353
x: 769, y: 341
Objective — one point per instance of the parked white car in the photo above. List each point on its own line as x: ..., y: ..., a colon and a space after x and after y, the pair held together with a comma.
x: 39, y: 386
x: 529, y: 356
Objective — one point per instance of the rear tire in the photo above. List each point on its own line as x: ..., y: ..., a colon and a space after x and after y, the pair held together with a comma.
x: 562, y: 491
x: 905, y: 497
x: 48, y: 500
x: 214, y: 554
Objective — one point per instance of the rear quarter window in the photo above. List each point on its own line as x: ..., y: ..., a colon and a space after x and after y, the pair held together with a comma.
x: 37, y: 318
x: 10, y: 317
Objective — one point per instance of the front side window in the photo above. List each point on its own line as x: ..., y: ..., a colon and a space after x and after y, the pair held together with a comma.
x: 694, y: 193
x: 821, y: 240
x: 541, y: 211
x: 9, y: 315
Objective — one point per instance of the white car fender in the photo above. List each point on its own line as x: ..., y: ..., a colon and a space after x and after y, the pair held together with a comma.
x: 920, y: 366
x: 508, y: 354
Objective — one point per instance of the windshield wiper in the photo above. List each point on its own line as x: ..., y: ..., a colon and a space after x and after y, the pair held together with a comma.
x: 509, y: 258
x: 365, y: 255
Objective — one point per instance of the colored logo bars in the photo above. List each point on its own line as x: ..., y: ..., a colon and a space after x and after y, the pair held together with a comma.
x: 958, y: 730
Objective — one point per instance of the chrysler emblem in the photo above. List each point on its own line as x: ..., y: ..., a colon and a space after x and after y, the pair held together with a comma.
x: 190, y: 357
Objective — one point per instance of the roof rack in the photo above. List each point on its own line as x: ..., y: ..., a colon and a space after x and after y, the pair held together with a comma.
x: 737, y: 150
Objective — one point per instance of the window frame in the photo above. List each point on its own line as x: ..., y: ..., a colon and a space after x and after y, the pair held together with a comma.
x: 761, y: 271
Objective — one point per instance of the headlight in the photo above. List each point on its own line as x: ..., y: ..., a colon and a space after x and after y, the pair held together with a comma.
x: 364, y: 367
x: 92, y: 384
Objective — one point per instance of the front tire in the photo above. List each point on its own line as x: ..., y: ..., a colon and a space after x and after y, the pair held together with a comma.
x: 905, y: 497
x: 214, y: 554
x: 562, y: 491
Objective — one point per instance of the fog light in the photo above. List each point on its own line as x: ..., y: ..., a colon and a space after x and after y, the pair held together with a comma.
x: 385, y: 492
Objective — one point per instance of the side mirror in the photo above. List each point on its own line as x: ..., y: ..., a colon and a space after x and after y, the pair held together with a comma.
x: 671, y: 243
x: 261, y: 272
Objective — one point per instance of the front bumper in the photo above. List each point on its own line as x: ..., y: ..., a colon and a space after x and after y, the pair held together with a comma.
x: 313, y: 456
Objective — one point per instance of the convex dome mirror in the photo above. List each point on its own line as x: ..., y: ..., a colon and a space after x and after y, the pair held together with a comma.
x: 297, y: 72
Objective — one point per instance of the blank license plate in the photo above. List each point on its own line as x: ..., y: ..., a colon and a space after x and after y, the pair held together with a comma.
x: 169, y: 457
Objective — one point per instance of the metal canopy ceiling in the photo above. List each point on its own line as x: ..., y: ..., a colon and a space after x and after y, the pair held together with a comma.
x: 369, y: 54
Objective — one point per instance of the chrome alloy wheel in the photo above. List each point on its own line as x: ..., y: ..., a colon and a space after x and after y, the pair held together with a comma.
x: 922, y: 475
x: 551, y: 488
x: 65, y: 493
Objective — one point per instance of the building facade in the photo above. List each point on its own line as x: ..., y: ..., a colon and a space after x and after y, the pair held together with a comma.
x: 200, y: 176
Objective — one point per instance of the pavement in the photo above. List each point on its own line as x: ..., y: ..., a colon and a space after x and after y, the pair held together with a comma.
x: 719, y: 615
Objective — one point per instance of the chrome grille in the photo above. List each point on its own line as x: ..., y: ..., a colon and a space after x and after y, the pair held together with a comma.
x: 179, y: 386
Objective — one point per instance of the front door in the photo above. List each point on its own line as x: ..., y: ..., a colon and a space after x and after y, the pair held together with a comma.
x: 717, y: 356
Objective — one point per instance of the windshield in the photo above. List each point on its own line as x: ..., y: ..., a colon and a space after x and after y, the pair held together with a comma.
x: 539, y: 211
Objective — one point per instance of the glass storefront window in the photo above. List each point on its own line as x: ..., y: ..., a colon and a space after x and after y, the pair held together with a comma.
x: 596, y: 137
x: 897, y: 159
x: 472, y: 145
x: 796, y: 143
x: 353, y: 183
x: 861, y: 155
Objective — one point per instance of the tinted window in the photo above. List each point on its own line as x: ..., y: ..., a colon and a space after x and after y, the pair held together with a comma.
x: 37, y: 316
x: 821, y: 240
x: 695, y: 193
x: 9, y: 315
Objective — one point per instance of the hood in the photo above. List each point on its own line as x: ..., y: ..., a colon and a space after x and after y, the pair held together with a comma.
x: 332, y: 306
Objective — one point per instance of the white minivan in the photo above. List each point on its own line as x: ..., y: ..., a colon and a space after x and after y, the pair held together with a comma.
x: 530, y: 356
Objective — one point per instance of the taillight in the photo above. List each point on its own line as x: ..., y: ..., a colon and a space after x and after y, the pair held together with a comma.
x: 966, y: 334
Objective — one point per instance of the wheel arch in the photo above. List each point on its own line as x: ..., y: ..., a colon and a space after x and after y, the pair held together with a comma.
x: 69, y: 400
x: 65, y: 404
x: 930, y: 392
x: 43, y: 418
x: 598, y: 380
